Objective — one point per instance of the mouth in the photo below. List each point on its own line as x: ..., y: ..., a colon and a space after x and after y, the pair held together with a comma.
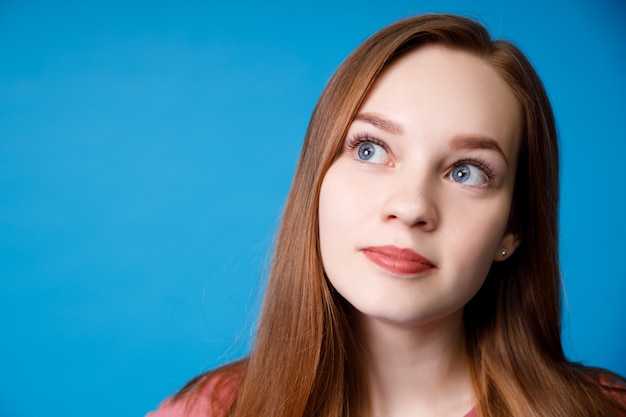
x: 398, y: 261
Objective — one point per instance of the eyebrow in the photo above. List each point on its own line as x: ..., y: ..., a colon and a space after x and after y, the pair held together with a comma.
x: 381, y: 122
x: 478, y: 142
x: 459, y: 142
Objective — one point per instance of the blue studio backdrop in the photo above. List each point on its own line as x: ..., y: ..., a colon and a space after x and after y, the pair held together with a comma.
x: 146, y: 150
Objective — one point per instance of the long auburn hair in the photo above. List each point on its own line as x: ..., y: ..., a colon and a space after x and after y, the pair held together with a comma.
x: 305, y: 361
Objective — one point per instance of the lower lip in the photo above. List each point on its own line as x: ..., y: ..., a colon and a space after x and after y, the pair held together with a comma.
x: 398, y: 266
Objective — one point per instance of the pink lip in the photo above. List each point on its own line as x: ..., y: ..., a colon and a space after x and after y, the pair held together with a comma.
x: 398, y: 261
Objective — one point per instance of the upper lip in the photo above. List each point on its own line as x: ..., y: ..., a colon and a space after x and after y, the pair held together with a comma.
x: 405, y: 254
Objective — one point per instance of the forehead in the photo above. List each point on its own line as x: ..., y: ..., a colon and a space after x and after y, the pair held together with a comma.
x: 438, y: 90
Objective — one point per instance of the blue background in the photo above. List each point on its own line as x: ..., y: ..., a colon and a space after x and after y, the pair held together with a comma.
x: 146, y: 150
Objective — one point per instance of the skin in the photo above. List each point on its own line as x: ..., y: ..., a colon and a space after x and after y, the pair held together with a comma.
x: 429, y: 164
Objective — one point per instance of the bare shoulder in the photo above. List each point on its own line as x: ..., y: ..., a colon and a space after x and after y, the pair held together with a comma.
x: 211, y: 394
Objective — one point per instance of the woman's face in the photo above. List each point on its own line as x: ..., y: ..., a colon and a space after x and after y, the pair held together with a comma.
x: 415, y: 209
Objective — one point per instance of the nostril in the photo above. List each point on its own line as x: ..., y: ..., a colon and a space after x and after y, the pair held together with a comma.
x: 414, y: 207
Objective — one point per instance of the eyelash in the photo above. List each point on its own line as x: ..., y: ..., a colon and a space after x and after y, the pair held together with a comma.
x: 357, y: 139
x: 354, y: 141
x: 480, y: 164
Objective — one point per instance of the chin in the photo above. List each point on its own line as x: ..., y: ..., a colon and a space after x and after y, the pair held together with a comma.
x: 410, y: 317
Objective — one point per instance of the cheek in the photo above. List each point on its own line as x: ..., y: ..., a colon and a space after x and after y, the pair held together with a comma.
x: 475, y: 228
x: 341, y: 204
x: 330, y: 212
x: 334, y: 209
x: 478, y: 235
x: 467, y: 251
x: 342, y: 212
x: 327, y: 206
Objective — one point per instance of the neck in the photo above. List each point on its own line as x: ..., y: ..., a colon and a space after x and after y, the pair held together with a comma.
x: 416, y: 369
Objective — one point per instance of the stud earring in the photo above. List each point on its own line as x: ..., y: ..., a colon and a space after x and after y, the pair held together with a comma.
x: 503, y: 252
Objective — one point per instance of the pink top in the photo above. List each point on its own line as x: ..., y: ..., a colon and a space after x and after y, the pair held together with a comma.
x: 201, y: 408
x: 171, y: 408
x: 204, y: 405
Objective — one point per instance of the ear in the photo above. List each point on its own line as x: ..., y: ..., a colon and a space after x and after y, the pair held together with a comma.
x: 510, y: 242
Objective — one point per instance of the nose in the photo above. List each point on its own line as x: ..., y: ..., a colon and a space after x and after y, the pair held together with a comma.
x: 411, y: 200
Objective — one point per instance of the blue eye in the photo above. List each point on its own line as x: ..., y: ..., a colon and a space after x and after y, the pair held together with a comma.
x: 371, y: 152
x: 468, y: 175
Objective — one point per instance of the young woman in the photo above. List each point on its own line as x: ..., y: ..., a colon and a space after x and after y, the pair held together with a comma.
x: 416, y: 266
